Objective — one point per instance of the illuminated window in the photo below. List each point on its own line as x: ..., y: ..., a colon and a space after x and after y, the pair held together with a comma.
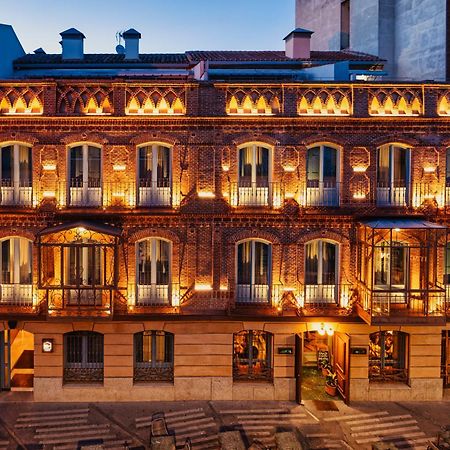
x: 322, y: 176
x: 393, y: 175
x: 85, y: 187
x: 153, y: 271
x: 254, y: 171
x: 388, y: 356
x: 253, y: 272
x: 321, y: 269
x: 391, y: 263
x: 16, y: 271
x: 154, y: 176
x: 153, y: 356
x: 15, y: 175
x: 83, y: 357
x: 252, y: 356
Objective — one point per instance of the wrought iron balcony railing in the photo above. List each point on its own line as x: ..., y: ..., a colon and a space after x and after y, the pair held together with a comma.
x: 381, y: 304
x: 261, y: 193
x: 16, y: 294
x: 157, y: 294
x: 321, y: 193
x: 80, y: 298
x: 393, y: 194
x: 16, y: 193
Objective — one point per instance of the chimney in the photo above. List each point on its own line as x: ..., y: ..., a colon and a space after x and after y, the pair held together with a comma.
x: 298, y: 44
x: 131, y: 37
x: 72, y: 44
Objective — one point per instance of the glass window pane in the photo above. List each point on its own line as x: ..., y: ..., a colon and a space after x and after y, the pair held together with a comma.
x: 144, y: 262
x: 262, y: 166
x: 162, y: 262
x: 6, y: 262
x: 7, y: 165
x: 400, y: 176
x: 329, y: 166
x: 328, y: 263
x: 25, y: 250
x: 383, y: 175
x: 398, y: 255
x: 447, y: 170
x: 145, y: 165
x: 163, y: 166
x: 244, y: 263
x: 381, y: 265
x: 94, y: 167
x: 76, y: 166
x: 245, y: 164
x: 261, y: 263
x: 25, y: 168
x: 311, y: 262
x: 313, y: 167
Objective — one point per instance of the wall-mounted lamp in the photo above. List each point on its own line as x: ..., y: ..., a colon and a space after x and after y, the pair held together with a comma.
x: 359, y: 169
x: 289, y: 168
x: 203, y: 287
x: 119, y: 167
x: 49, y: 194
x: 225, y: 167
x: 325, y: 329
x: 429, y: 169
x: 206, y: 194
x: 49, y: 167
x: 359, y: 196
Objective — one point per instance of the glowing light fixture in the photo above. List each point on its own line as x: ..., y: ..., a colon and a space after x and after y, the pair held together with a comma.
x: 119, y: 167
x: 203, y: 287
x: 322, y: 330
x: 429, y: 169
x: 49, y: 167
x: 396, y: 230
x: 359, y: 196
x: 49, y: 194
x: 359, y: 169
x: 225, y: 167
x: 289, y: 169
x: 206, y: 194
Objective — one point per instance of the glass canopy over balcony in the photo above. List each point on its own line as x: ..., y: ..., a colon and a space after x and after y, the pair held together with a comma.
x: 401, y: 271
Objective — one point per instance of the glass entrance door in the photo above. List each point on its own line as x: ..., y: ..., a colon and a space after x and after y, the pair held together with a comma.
x: 5, y: 360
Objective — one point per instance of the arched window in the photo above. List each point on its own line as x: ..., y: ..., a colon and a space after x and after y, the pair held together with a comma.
x: 16, y: 271
x: 322, y: 176
x: 321, y: 271
x: 252, y: 355
x: 393, y: 175
x: 15, y: 175
x: 153, y: 356
x: 153, y: 267
x: 83, y: 357
x: 253, y: 272
x: 154, y: 175
x: 388, y: 356
x: 254, y: 176
x: 85, y: 176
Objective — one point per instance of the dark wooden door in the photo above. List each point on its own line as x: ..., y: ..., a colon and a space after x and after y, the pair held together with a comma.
x: 5, y: 360
x: 298, y: 367
x: 445, y: 366
x: 342, y: 364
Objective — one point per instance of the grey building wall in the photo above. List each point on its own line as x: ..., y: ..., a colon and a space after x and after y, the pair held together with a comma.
x: 409, y: 34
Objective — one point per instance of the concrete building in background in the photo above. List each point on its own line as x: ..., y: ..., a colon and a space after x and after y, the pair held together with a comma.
x: 412, y: 35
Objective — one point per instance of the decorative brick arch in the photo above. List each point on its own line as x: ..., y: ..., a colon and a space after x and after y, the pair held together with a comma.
x: 322, y: 138
x: 153, y: 233
x: 17, y: 232
x: 243, y: 235
x: 326, y: 234
x: 255, y: 137
x: 407, y: 141
x: 18, y: 137
x: 89, y: 137
x: 146, y: 138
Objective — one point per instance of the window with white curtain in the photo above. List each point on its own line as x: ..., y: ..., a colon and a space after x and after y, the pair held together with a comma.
x: 15, y: 175
x: 153, y: 270
x: 253, y: 271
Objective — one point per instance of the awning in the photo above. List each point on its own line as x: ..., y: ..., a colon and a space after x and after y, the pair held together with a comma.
x: 409, y: 224
x: 97, y: 227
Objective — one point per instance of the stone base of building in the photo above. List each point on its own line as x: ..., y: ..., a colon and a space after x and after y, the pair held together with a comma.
x: 418, y: 390
x: 186, y: 388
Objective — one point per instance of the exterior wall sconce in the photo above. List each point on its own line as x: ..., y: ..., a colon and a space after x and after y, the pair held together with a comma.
x: 49, y: 194
x: 429, y: 169
x: 223, y: 287
x: 359, y: 196
x: 49, y: 167
x: 119, y: 167
x: 359, y: 169
x: 47, y: 345
x: 325, y: 329
x: 225, y: 168
x: 206, y: 194
x: 289, y: 168
x: 203, y: 287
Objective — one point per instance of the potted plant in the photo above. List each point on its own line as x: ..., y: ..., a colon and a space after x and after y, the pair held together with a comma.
x: 331, y: 384
x: 326, y: 367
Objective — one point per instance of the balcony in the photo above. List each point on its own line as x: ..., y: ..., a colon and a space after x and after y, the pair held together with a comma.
x: 322, y: 193
x: 378, y: 307
x: 156, y: 193
x: 80, y: 301
x: 392, y: 194
x: 17, y: 298
x: 251, y: 294
x: 157, y: 295
x: 16, y: 194
x: 257, y: 194
x: 325, y: 299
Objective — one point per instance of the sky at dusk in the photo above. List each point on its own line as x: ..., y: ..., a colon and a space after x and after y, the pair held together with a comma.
x: 165, y: 25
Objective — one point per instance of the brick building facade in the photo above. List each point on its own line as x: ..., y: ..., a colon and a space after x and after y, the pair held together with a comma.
x: 169, y: 238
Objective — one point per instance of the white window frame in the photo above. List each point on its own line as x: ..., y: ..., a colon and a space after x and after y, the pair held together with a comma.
x: 85, y: 199
x: 252, y: 287
x: 153, y: 292
x: 20, y: 194
x: 159, y: 195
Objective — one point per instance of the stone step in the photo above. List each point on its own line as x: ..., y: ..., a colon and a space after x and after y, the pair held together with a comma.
x: 171, y: 420
x: 61, y: 422
x: 272, y: 416
x: 396, y: 430
x: 383, y: 425
x: 197, y: 425
x: 72, y: 437
x: 170, y: 414
x: 48, y: 413
x: 255, y: 411
x: 371, y: 420
x: 42, y: 431
x: 404, y: 436
x: 200, y: 441
x: 110, y: 443
x: 344, y: 417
